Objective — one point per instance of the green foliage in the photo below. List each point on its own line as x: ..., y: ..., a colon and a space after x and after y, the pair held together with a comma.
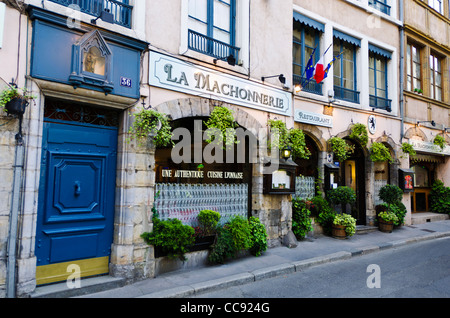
x: 346, y: 220
x: 146, y: 122
x: 390, y: 193
x: 237, y: 235
x: 221, y: 127
x: 301, y: 221
x: 293, y: 138
x: 341, y: 195
x: 258, y: 236
x: 208, y: 220
x: 387, y: 216
x: 392, y: 196
x: 298, y: 144
x: 240, y: 232
x: 326, y: 219
x: 340, y: 148
x: 440, y: 197
x: 10, y: 93
x: 439, y: 141
x: 172, y: 236
x: 408, y: 148
x: 223, y: 247
x: 379, y: 152
x: 359, y: 133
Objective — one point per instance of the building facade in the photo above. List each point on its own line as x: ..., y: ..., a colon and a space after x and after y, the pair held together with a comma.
x: 80, y: 190
x: 426, y: 89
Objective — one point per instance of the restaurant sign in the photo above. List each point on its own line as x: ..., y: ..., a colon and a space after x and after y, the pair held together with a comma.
x: 429, y: 147
x: 302, y: 116
x: 174, y: 74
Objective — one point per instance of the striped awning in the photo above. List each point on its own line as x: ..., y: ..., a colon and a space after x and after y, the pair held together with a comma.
x: 428, y: 158
x: 379, y: 51
x: 309, y: 22
x: 347, y: 38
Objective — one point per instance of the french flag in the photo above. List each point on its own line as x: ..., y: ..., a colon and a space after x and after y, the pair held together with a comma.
x: 319, y: 72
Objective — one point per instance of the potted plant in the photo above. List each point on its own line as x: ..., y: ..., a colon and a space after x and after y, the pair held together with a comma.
x: 170, y: 237
x: 14, y: 102
x: 439, y: 141
x: 341, y: 196
x: 150, y: 123
x: 207, y: 229
x: 359, y: 134
x: 379, y: 152
x: 392, y: 195
x: 258, y: 236
x: 344, y: 225
x: 221, y: 127
x: 418, y: 91
x: 386, y: 221
x: 340, y: 148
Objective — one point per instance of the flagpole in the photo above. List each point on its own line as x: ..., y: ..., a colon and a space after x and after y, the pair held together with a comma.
x: 336, y: 57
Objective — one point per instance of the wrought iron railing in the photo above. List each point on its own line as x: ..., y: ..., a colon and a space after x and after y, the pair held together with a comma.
x: 212, y: 47
x: 381, y: 6
x: 121, y: 10
x: 346, y: 94
x: 379, y: 102
x: 308, y: 86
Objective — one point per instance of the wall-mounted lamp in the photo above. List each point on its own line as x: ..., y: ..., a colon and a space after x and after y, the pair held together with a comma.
x: 298, y: 88
x: 281, y: 78
x: 432, y: 122
x: 230, y: 59
x: 105, y: 15
x: 286, y: 153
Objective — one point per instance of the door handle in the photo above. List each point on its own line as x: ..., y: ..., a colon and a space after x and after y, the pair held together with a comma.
x: 77, y: 188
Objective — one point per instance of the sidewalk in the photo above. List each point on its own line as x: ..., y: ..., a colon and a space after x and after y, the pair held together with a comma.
x: 275, y: 261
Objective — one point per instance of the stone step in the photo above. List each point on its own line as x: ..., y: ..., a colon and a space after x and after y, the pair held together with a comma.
x: 424, y: 217
x: 363, y: 229
x: 87, y: 286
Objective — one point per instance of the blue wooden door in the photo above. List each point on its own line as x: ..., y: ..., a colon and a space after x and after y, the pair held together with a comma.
x: 76, y: 200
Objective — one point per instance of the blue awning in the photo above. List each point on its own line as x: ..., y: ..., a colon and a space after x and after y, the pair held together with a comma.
x: 347, y: 38
x: 309, y: 22
x: 379, y: 51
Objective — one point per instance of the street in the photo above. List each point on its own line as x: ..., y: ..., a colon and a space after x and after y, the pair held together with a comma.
x: 420, y: 270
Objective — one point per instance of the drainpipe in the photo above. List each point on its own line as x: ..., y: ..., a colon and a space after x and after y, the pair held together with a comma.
x: 402, y: 68
x: 14, y: 216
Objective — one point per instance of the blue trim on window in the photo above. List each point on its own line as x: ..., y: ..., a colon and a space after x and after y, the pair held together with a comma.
x: 347, y: 38
x: 379, y: 51
x: 309, y: 22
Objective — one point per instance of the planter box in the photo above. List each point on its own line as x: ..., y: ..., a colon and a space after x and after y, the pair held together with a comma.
x: 385, y: 227
x: 338, y: 231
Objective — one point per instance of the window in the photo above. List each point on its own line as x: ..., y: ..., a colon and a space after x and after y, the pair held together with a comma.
x: 344, y: 70
x: 413, y: 81
x: 305, y: 40
x: 435, y: 77
x: 380, y: 5
x: 211, y: 27
x: 436, y: 5
x: 378, y: 86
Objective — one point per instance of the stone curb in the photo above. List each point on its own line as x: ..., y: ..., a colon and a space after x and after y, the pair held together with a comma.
x: 283, y: 269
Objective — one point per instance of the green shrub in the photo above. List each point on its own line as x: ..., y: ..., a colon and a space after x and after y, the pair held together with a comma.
x: 240, y: 232
x: 258, y: 236
x: 387, y: 216
x: 172, y: 236
x: 325, y: 219
x: 390, y: 193
x: 440, y: 197
x: 223, y: 246
x: 301, y: 221
x: 208, y: 220
x: 341, y: 195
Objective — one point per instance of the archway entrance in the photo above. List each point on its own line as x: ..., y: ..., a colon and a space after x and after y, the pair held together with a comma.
x: 196, y: 183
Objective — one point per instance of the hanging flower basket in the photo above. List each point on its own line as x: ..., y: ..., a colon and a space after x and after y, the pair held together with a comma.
x: 16, y: 106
